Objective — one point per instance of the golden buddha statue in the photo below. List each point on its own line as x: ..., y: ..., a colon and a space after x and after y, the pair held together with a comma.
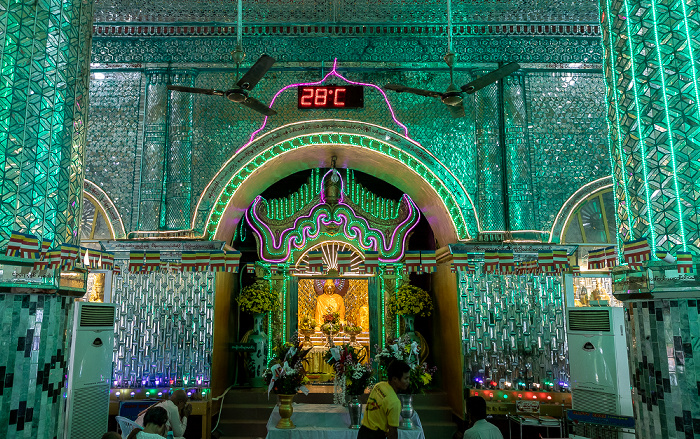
x: 329, y: 302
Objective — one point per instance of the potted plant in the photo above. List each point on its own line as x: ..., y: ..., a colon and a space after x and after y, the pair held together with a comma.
x: 258, y: 299
x: 410, y: 301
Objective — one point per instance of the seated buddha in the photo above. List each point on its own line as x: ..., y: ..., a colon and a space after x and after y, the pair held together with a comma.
x: 329, y: 302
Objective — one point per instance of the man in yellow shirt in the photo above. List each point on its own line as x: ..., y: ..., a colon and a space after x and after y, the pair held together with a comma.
x: 383, y: 408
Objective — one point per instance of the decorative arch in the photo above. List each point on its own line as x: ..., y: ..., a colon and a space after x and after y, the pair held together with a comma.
x: 574, y: 202
x: 102, y: 200
x: 369, y: 148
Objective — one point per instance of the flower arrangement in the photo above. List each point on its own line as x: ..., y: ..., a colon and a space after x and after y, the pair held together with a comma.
x: 258, y: 297
x: 331, y: 322
x: 404, y: 349
x: 347, y: 363
x: 410, y: 299
x: 420, y: 377
x: 352, y: 329
x: 286, y: 374
x: 398, y: 349
x: 308, y: 324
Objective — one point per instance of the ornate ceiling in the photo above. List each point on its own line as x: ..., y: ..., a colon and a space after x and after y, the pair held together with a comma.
x: 304, y: 12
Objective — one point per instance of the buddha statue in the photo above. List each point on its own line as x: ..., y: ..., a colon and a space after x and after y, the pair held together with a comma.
x: 329, y: 302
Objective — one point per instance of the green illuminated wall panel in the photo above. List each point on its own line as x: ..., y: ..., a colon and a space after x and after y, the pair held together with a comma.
x: 178, y: 176
x: 650, y: 51
x: 43, y: 115
x: 153, y: 159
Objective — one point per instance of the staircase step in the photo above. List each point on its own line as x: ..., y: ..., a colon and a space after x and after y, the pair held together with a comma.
x: 438, y: 430
x: 247, y: 411
x: 242, y: 428
x: 434, y: 414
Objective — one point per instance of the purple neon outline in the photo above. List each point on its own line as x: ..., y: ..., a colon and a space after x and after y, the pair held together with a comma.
x: 338, y: 75
x: 319, y: 220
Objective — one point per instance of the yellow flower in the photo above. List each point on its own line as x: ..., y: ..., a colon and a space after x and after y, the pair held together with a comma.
x: 426, y: 378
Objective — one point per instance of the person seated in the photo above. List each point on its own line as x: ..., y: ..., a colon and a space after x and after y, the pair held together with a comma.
x: 481, y: 428
x: 154, y: 426
x: 178, y: 410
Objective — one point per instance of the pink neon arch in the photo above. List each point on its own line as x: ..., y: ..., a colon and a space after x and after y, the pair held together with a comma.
x: 335, y: 73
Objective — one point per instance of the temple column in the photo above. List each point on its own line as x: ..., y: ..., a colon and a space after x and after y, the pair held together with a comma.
x: 654, y: 122
x: 153, y: 161
x: 178, y: 184
x: 43, y: 115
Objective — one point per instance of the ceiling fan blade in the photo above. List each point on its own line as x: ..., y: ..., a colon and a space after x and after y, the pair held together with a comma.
x: 457, y: 111
x: 416, y: 91
x: 490, y: 78
x: 258, y: 106
x: 203, y: 91
x: 255, y: 74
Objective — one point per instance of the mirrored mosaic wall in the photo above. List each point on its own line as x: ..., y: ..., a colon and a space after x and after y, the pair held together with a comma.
x: 43, y: 117
x: 33, y: 357
x: 163, y: 329
x: 513, y: 331
x: 653, y: 103
x: 345, y: 11
x: 663, y: 341
x: 554, y: 136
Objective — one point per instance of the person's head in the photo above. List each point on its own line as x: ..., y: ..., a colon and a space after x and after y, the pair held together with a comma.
x: 111, y: 435
x: 476, y: 408
x: 179, y: 398
x: 155, y: 420
x: 398, y: 374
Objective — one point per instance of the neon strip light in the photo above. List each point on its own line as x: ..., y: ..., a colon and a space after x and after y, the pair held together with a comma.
x: 620, y: 149
x: 657, y: 48
x: 335, y: 73
x: 645, y: 171
x: 303, y: 235
x: 418, y: 145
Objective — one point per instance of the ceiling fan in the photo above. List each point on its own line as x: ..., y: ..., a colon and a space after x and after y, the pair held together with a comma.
x: 240, y: 92
x: 453, y: 97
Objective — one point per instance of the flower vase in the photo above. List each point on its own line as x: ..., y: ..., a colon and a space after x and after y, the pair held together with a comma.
x: 409, y: 321
x: 355, y: 411
x: 286, y: 411
x: 406, y: 411
x: 307, y: 333
x: 329, y: 338
x: 256, y: 364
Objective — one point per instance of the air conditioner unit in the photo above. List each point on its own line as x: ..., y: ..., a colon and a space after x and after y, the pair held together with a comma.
x: 598, y: 363
x: 89, y: 370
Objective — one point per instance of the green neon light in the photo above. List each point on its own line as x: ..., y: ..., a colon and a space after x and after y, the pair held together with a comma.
x: 670, y: 129
x: 453, y: 208
x: 382, y: 271
x: 306, y: 230
x: 284, y: 305
x: 645, y: 171
x: 620, y: 150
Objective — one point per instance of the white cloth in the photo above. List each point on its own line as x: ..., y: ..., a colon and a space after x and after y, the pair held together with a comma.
x: 144, y: 435
x: 174, y: 423
x: 326, y: 421
x: 483, y: 429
